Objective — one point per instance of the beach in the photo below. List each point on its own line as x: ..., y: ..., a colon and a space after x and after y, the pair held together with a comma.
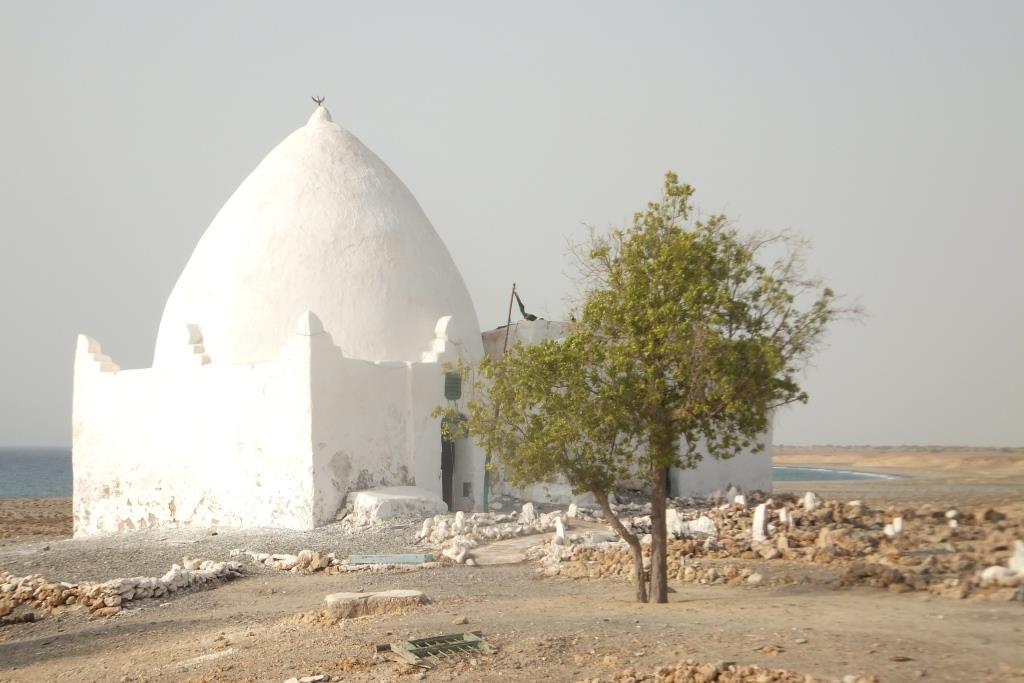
x: 543, y: 628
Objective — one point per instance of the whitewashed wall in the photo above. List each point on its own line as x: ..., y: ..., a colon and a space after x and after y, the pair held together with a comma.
x: 276, y: 444
x: 198, y: 445
x: 747, y: 471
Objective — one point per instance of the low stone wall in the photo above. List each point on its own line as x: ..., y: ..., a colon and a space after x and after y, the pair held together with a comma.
x: 110, y: 597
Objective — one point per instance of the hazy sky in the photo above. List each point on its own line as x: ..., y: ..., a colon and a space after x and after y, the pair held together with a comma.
x: 890, y: 134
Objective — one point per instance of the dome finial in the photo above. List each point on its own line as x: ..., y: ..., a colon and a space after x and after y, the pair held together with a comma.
x: 320, y: 114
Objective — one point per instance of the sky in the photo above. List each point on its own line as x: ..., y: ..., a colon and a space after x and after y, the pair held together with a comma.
x: 888, y: 134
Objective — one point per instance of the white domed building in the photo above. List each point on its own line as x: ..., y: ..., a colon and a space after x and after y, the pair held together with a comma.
x: 299, y: 358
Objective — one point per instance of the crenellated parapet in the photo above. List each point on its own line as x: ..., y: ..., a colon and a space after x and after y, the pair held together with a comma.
x: 89, y: 355
x: 445, y: 346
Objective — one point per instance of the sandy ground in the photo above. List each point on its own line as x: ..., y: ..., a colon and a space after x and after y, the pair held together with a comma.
x: 552, y: 629
x: 34, y: 518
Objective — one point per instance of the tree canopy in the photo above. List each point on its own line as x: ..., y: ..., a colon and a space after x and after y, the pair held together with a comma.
x: 688, y: 335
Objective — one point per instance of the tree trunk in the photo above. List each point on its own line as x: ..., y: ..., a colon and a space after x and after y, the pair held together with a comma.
x: 639, y: 578
x: 659, y: 533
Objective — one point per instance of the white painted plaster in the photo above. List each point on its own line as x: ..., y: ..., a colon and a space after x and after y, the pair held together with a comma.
x: 280, y: 443
x: 299, y: 357
x: 207, y: 445
x: 322, y: 224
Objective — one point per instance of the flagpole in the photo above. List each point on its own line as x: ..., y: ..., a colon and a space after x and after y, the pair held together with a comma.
x: 487, y: 457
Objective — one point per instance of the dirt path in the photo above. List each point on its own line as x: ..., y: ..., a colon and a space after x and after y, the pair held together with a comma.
x: 513, y: 550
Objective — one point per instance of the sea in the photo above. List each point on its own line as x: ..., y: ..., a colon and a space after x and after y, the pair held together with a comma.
x: 46, y: 473
x: 783, y: 473
x: 35, y: 472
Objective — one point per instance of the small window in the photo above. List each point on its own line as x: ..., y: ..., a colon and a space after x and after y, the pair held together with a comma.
x: 467, y: 489
x: 452, y: 386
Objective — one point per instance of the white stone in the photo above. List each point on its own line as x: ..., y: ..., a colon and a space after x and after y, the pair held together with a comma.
x: 428, y: 524
x: 894, y: 528
x: 952, y: 514
x: 673, y: 522
x: 1016, y: 563
x: 457, y: 549
x: 702, y: 526
x: 785, y: 519
x: 754, y: 579
x: 529, y: 514
x: 740, y: 501
x: 759, y: 529
x: 810, y: 501
x: 459, y: 526
x: 572, y: 511
x: 440, y: 532
x: 997, y: 575
x: 559, y: 537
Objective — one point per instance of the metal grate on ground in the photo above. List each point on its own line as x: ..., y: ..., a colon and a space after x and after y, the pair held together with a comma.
x: 448, y: 647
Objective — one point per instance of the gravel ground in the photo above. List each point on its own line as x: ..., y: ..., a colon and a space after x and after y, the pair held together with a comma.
x: 151, y: 552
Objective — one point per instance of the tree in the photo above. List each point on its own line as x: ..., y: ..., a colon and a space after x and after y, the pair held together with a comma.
x: 545, y: 409
x: 689, y: 336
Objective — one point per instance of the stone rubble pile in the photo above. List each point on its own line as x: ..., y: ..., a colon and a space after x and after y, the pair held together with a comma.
x: 110, y: 597
x: 454, y: 536
x: 691, y: 671
x: 303, y: 562
x: 580, y: 561
x: 947, y: 552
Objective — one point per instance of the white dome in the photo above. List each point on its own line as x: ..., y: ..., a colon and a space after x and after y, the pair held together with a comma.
x: 321, y: 225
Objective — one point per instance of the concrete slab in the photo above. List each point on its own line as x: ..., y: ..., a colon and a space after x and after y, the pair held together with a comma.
x: 350, y: 605
x: 375, y: 505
